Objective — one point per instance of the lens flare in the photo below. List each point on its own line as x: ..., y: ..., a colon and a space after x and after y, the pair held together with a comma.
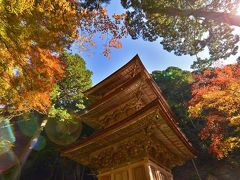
x: 6, y: 136
x: 29, y: 126
x: 40, y: 143
x: 8, y: 160
x: 63, y: 132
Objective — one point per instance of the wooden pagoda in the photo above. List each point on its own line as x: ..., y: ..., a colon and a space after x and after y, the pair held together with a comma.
x: 137, y: 137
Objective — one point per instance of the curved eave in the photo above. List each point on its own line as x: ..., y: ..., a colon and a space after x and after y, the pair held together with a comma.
x: 131, y: 119
x: 92, y: 91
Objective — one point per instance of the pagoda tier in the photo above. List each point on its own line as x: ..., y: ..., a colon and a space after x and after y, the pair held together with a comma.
x: 134, y: 126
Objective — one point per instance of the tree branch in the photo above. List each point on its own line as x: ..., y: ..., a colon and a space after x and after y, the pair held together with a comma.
x: 220, y: 17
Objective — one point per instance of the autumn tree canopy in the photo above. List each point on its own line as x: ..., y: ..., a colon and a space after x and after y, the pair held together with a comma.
x: 187, y: 26
x: 33, y: 34
x: 216, y: 99
x: 67, y: 99
x: 175, y: 85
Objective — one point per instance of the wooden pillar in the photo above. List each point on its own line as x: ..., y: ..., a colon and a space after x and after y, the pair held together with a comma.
x: 142, y: 170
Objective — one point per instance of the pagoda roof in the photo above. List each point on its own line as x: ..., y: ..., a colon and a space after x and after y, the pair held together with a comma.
x: 127, y: 71
x: 125, y: 104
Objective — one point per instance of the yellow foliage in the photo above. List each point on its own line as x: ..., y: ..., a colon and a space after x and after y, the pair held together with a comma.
x: 229, y: 145
x: 216, y: 99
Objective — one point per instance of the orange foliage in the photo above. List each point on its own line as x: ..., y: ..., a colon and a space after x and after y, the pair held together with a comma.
x: 32, y: 36
x: 216, y: 99
x: 28, y: 84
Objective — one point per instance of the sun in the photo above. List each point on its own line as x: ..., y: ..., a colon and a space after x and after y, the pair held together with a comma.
x: 238, y: 10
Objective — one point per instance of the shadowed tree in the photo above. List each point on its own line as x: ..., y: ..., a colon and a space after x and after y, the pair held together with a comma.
x: 187, y: 26
x: 175, y: 84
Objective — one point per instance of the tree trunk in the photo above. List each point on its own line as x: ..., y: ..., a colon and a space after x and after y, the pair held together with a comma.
x: 220, y: 17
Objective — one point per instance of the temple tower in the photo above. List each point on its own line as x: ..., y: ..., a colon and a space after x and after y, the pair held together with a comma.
x: 136, y: 137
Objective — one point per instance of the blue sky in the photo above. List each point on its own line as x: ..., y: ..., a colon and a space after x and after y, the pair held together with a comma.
x: 151, y: 53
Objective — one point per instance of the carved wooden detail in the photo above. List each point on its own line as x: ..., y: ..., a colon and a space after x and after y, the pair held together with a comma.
x: 122, y: 112
x: 122, y: 152
x: 161, y: 154
x: 137, y: 147
x: 135, y: 142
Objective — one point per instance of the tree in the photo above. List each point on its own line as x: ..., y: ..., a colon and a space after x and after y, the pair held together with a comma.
x: 68, y: 92
x: 175, y: 85
x: 33, y: 35
x: 187, y: 26
x: 216, y: 99
x: 67, y: 99
x: 49, y: 164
